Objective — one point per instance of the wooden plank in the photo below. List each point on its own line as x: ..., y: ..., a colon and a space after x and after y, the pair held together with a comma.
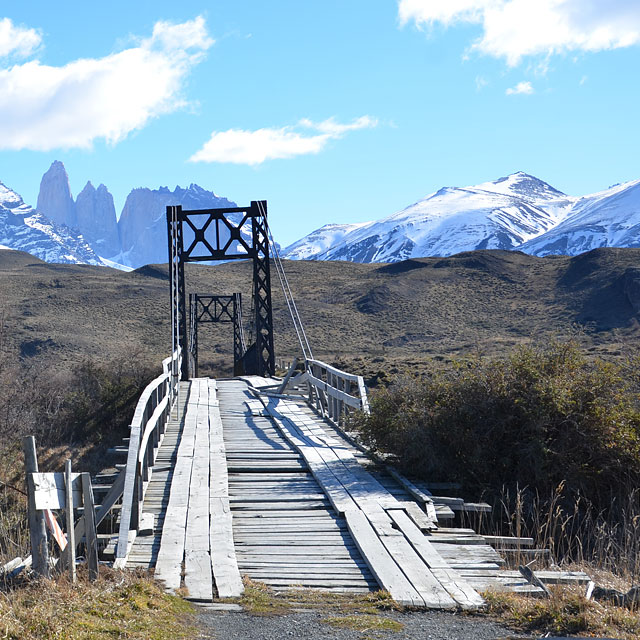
x: 37, y: 527
x: 455, y: 585
x: 508, y: 540
x: 90, y: 527
x: 415, y: 491
x: 50, y: 490
x: 197, y: 562
x: 223, y: 552
x: 224, y: 562
x: 128, y: 494
x: 68, y: 512
x: 342, y: 374
x: 172, y: 544
x: 423, y: 580
x: 382, y: 566
x: 335, y: 491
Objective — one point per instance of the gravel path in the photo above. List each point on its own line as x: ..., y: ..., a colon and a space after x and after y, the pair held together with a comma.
x: 308, y: 624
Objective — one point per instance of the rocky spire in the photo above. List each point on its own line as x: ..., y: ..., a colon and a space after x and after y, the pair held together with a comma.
x: 96, y: 219
x: 54, y: 198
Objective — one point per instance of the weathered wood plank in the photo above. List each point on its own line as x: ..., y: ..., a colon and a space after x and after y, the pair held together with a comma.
x: 383, y: 567
x: 454, y: 584
x: 172, y: 544
x: 197, y: 561
x: 224, y: 562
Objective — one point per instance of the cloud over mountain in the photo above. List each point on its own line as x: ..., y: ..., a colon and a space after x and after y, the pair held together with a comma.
x: 514, y: 29
x: 238, y: 146
x: 45, y: 107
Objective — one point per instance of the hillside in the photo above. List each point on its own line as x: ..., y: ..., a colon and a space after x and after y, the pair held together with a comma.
x: 393, y: 314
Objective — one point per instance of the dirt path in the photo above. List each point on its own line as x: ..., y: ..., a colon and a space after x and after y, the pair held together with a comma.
x: 312, y: 624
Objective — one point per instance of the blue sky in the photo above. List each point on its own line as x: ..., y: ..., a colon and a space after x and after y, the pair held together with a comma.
x: 332, y: 110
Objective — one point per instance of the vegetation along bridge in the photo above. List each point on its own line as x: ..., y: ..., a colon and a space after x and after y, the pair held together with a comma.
x: 256, y: 476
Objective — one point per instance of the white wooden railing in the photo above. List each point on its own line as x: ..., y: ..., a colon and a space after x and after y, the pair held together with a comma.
x: 334, y: 393
x: 147, y: 429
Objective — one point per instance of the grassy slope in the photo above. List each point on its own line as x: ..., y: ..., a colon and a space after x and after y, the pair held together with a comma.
x: 407, y: 312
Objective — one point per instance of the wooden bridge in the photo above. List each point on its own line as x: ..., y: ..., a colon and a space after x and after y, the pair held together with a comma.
x: 241, y: 480
x: 256, y: 476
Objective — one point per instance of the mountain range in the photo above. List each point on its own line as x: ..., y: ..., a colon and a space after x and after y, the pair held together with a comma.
x: 86, y: 230
x: 517, y: 212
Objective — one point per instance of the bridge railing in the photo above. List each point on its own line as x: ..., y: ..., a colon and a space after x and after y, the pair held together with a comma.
x: 334, y: 393
x: 147, y: 428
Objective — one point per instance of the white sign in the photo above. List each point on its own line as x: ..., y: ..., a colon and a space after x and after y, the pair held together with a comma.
x: 50, y: 492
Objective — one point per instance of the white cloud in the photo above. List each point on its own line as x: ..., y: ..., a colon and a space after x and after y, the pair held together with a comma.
x: 481, y: 83
x: 522, y: 88
x: 44, y: 107
x: 239, y: 146
x: 19, y: 41
x: 513, y: 29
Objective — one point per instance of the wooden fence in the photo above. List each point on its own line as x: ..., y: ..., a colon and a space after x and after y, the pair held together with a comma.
x: 334, y: 393
x: 147, y: 428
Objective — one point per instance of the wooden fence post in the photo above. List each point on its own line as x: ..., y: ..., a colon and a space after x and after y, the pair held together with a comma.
x: 90, y: 535
x: 71, y: 539
x: 37, y: 526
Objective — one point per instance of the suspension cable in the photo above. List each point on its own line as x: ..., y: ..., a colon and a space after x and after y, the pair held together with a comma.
x: 286, y: 290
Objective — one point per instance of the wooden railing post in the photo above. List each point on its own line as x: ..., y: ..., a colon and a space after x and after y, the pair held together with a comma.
x: 37, y: 526
x: 90, y: 534
x: 71, y: 539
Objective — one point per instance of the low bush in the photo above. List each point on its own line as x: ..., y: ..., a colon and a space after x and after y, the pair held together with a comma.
x: 540, y: 417
x: 76, y: 411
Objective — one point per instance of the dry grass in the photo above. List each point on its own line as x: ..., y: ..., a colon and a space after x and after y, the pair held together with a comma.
x: 364, y: 623
x: 259, y: 599
x: 119, y: 605
x: 566, y: 612
x: 603, y: 543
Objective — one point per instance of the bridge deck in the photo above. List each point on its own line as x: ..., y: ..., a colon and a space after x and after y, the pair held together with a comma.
x: 285, y: 531
x: 265, y: 487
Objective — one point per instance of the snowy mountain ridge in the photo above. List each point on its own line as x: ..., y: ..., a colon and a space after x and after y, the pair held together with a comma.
x: 518, y: 211
x: 86, y: 230
x: 25, y: 229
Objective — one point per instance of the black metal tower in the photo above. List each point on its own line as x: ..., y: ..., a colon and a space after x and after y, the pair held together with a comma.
x: 216, y: 234
x: 212, y: 308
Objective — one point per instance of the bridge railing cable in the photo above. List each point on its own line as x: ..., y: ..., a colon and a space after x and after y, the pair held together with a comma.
x: 334, y: 393
x: 147, y: 429
x: 288, y: 295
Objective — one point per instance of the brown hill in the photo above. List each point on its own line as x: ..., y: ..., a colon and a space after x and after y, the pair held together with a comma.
x: 368, y: 317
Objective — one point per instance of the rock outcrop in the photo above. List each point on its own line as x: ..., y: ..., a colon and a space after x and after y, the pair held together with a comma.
x: 96, y: 219
x: 143, y: 226
x: 54, y: 199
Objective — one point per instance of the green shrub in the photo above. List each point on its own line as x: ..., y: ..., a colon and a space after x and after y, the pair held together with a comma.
x: 536, y: 418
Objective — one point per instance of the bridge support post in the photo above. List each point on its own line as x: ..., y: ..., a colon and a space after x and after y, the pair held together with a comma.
x: 239, y: 346
x: 265, y: 357
x: 193, y: 335
x: 179, y: 329
x: 217, y: 234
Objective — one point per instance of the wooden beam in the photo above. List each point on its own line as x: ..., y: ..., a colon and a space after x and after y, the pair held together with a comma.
x: 37, y: 526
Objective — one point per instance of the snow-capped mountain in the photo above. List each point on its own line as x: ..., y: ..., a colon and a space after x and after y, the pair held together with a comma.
x: 320, y: 240
x: 25, y: 229
x: 609, y: 218
x: 493, y: 215
x: 86, y: 229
